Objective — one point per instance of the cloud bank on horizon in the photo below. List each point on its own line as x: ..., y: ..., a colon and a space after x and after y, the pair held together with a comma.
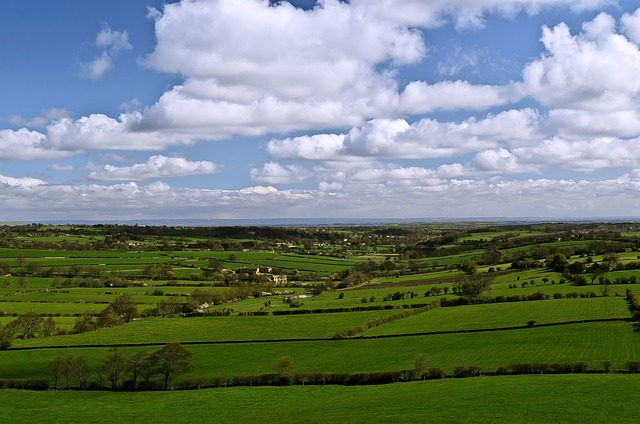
x: 394, y: 108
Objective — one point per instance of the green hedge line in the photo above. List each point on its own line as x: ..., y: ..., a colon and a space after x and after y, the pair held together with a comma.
x: 13, y: 383
x: 634, y: 305
x: 384, y: 320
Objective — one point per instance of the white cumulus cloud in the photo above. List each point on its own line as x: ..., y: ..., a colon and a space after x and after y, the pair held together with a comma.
x: 275, y: 173
x: 157, y: 166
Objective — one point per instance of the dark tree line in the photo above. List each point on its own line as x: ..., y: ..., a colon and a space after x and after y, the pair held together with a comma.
x: 138, y: 371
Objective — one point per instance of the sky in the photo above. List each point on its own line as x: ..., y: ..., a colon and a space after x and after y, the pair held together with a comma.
x: 223, y: 109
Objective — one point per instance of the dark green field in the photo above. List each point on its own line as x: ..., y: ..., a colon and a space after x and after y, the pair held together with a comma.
x: 521, y: 399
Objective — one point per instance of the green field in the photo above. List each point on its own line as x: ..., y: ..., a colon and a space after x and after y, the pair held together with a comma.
x: 510, y: 314
x: 202, y: 329
x: 376, y: 273
x: 592, y: 342
x: 520, y: 399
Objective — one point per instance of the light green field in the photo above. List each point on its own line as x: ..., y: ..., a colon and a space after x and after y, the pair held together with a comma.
x: 499, y: 315
x: 202, y: 329
x: 65, y: 323
x: 418, y: 277
x: 518, y: 399
x: 50, y: 308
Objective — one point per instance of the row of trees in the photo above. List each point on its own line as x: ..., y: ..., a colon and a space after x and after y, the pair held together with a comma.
x: 143, y: 370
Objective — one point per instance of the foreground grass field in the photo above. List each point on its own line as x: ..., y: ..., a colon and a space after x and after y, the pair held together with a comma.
x: 602, y: 398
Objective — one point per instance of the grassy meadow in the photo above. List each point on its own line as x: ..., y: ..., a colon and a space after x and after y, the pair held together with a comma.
x: 517, y: 399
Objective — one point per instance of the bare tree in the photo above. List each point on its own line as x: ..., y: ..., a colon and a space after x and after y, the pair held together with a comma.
x: 114, y: 365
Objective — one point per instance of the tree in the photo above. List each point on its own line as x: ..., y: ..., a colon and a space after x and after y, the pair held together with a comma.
x: 419, y: 366
x: 80, y: 370
x: 147, y: 370
x: 84, y: 324
x: 474, y: 285
x: 125, y: 307
x: 20, y: 258
x: 169, y: 307
x: 69, y: 367
x: 215, y: 264
x: 28, y: 325
x: 557, y: 262
x: 610, y: 260
x: 171, y: 360
x: 604, y: 286
x: 491, y: 256
x: 34, y: 268
x: 283, y: 366
x: 469, y: 266
x: 109, y: 318
x: 576, y: 267
x: 49, y: 327
x: 113, y: 366
x: 55, y: 369
x: 135, y: 365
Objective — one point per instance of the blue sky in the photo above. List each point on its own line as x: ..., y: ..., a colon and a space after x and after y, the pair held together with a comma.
x: 140, y: 109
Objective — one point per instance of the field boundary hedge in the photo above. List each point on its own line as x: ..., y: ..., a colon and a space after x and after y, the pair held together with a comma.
x: 384, y: 320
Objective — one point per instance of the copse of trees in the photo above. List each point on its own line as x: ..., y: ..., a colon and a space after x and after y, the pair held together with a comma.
x: 27, y: 326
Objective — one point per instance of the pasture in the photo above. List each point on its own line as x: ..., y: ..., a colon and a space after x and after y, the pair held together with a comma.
x: 516, y: 399
x: 363, y: 284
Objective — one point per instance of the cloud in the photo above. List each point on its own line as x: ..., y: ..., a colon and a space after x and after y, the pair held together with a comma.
x: 274, y: 173
x: 278, y: 69
x: 425, y: 138
x: 98, y: 67
x: 420, y: 193
x: 112, y: 41
x: 421, y: 97
x: 112, y: 44
x: 327, y: 186
x: 20, y: 183
x: 101, y: 132
x: 62, y: 168
x: 597, y: 70
x: 459, y: 58
x: 466, y: 14
x: 631, y: 25
x: 281, y: 69
x: 582, y: 155
x: 155, y: 167
x: 41, y: 121
x: 499, y: 160
x: 24, y: 144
